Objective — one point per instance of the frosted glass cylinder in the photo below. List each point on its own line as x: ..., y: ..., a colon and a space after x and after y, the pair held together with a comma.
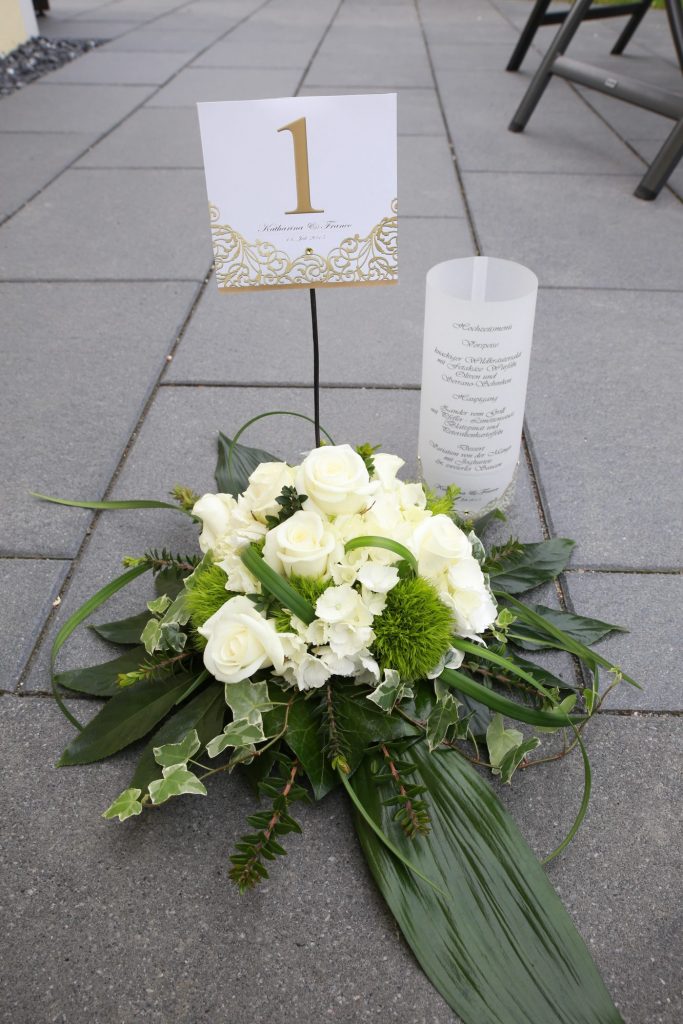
x: 479, y: 320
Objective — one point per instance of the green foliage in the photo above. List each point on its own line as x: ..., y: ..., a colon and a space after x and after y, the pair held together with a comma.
x: 176, y: 781
x: 185, y: 496
x: 500, y: 947
x: 309, y: 587
x: 414, y: 631
x: 205, y: 593
x: 366, y: 452
x: 125, y: 805
x: 248, y: 868
x: 289, y: 502
x: 442, y: 504
x: 102, y: 680
x: 518, y: 567
x: 169, y: 754
x: 412, y: 813
x: 236, y: 463
x: 445, y: 715
x: 162, y: 559
x: 390, y: 692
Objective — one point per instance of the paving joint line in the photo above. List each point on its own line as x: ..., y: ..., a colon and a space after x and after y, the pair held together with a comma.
x: 447, y: 131
x: 171, y: 78
x: 288, y: 384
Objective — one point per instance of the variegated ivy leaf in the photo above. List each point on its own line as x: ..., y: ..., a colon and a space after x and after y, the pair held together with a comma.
x: 125, y: 805
x: 238, y: 734
x: 159, y: 605
x: 513, y: 758
x: 178, y: 612
x: 248, y: 700
x: 177, y: 753
x: 478, y: 549
x: 176, y: 781
x: 445, y: 714
x: 151, y: 636
x: 390, y: 692
x: 501, y: 741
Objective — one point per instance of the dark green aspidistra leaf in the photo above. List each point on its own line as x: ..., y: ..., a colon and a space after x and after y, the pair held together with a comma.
x: 502, y: 949
x: 233, y: 471
x: 102, y: 680
x: 125, y: 718
x: 123, y: 631
x: 587, y: 631
x: 528, y: 565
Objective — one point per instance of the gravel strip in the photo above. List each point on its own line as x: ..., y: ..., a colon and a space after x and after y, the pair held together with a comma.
x: 35, y: 58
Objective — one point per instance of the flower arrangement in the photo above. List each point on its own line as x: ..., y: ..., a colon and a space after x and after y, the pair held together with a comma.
x: 343, y: 627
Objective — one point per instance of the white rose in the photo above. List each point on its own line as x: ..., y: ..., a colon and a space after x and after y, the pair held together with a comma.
x: 301, y: 545
x: 469, y: 597
x: 335, y: 478
x: 244, y: 527
x: 215, y: 511
x: 240, y: 642
x: 437, y: 544
x: 265, y: 485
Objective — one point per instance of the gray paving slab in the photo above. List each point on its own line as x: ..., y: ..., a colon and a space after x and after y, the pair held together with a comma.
x: 604, y: 416
x: 198, y: 16
x: 72, y: 108
x: 76, y: 918
x: 549, y: 221
x: 618, y: 876
x: 150, y: 39
x: 642, y: 602
x: 29, y: 160
x: 628, y: 121
x: 195, y: 85
x: 151, y: 137
x: 80, y: 28
x: 367, y: 335
x: 235, y: 52
x: 78, y: 363
x: 418, y: 109
x: 427, y: 181
x: 563, y: 136
x: 111, y: 224
x: 105, y: 68
x: 29, y: 587
x: 366, y: 68
x: 134, y: 10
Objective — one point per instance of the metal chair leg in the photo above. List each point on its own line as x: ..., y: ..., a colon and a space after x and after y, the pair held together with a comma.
x: 662, y: 165
x: 674, y: 10
x: 630, y: 27
x: 528, y: 32
x: 543, y: 75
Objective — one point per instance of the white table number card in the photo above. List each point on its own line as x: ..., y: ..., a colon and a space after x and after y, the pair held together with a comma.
x: 302, y: 190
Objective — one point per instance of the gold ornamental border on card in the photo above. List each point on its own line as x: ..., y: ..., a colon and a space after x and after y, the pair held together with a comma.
x: 370, y: 260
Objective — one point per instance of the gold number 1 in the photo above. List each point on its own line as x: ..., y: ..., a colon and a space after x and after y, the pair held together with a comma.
x: 303, y: 185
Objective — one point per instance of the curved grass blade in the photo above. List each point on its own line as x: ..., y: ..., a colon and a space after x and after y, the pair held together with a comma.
x: 133, y: 503
x: 585, y: 800
x: 388, y: 545
x: 486, y: 655
x: 383, y: 837
x: 504, y: 705
x: 277, y: 585
x: 567, y: 643
x: 86, y: 609
x: 501, y: 948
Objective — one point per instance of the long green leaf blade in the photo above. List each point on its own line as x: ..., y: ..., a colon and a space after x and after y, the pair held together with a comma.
x: 501, y: 949
x: 102, y: 680
x: 530, y: 564
x: 124, y: 719
x: 277, y: 585
x: 505, y: 706
x: 133, y: 503
x: 388, y: 545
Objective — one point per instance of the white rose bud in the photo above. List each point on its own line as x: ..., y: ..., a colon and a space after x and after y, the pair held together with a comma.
x: 265, y: 485
x: 335, y: 479
x: 437, y: 544
x: 240, y: 642
x: 386, y: 468
x: 301, y: 545
x: 215, y: 511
